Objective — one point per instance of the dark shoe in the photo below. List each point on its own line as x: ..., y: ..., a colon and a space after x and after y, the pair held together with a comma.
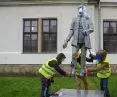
x: 54, y: 95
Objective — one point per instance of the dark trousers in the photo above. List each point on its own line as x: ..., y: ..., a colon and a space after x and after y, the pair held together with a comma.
x: 45, y: 87
x: 104, y: 86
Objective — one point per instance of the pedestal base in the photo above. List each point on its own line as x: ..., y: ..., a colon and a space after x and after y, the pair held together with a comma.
x: 80, y: 93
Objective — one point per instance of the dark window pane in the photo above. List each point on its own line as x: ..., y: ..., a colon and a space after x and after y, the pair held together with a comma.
x: 45, y: 22
x: 112, y: 30
x: 110, y: 46
x: 53, y: 29
x: 106, y: 24
x: 53, y: 22
x: 45, y: 28
x: 45, y: 25
x: 106, y: 30
x: 46, y: 37
x: 49, y: 39
x: 27, y: 29
x: 27, y: 43
x: 27, y: 23
x: 112, y: 27
x: 34, y: 42
x: 27, y: 37
x: 53, y: 26
x: 53, y: 42
x: 53, y: 37
x: 34, y: 23
x: 34, y: 37
x: 112, y: 24
x: 33, y: 29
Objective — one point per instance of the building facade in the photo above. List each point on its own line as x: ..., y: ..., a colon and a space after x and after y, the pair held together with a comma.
x: 34, y: 31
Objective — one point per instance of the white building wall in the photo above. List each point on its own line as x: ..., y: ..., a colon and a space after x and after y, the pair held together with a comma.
x: 109, y: 13
x: 11, y: 32
x: 108, y: 0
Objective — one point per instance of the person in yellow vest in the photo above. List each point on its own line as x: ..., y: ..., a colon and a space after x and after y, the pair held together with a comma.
x: 47, y: 72
x: 80, y: 79
x: 103, y: 70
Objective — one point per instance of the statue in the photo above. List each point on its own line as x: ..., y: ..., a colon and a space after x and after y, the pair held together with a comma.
x: 81, y: 28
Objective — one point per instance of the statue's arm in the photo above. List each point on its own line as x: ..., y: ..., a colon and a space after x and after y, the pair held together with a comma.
x: 71, y: 32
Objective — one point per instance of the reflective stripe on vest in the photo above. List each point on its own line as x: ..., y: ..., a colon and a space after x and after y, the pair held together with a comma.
x: 106, y: 72
x: 46, y: 70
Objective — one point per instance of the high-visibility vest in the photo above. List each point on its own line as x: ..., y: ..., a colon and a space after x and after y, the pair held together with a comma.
x: 77, y: 69
x: 47, y: 71
x: 105, y: 72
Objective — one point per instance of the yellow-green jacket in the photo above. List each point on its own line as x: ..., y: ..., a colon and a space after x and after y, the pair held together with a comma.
x: 47, y: 71
x: 105, y: 72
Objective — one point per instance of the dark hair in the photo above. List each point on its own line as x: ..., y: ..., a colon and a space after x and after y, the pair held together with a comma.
x: 61, y: 56
x: 102, y: 53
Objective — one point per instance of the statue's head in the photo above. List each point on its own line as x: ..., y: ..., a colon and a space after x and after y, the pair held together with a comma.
x: 83, y: 10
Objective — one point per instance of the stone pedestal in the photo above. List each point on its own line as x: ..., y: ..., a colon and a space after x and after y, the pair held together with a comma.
x: 80, y: 93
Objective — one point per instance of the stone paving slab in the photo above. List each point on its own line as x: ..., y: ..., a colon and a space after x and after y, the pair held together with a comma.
x: 80, y: 93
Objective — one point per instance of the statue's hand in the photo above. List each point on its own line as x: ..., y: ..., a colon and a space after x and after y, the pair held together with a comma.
x: 85, y: 33
x: 65, y: 45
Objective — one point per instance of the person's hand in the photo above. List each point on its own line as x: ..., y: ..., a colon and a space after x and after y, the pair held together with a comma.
x: 82, y: 74
x: 52, y: 80
x: 65, y: 44
x: 69, y: 74
x: 72, y: 65
x: 90, y: 72
x: 86, y: 71
x: 92, y: 56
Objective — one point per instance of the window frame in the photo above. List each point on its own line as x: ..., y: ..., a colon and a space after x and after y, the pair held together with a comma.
x: 109, y: 34
x: 30, y: 33
x: 49, y: 33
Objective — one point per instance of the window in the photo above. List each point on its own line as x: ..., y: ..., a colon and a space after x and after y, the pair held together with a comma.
x: 49, y: 35
x: 30, y: 35
x: 110, y: 36
x: 40, y: 38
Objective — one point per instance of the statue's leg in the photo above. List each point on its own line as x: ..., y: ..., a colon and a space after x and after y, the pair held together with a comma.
x: 74, y: 60
x: 83, y: 59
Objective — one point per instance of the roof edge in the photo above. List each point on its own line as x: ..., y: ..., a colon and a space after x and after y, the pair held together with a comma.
x: 16, y: 3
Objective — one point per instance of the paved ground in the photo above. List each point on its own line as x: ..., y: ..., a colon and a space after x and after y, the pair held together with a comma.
x: 81, y: 93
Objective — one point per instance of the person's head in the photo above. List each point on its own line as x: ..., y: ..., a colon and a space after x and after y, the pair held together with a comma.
x: 60, y: 57
x: 101, y: 55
